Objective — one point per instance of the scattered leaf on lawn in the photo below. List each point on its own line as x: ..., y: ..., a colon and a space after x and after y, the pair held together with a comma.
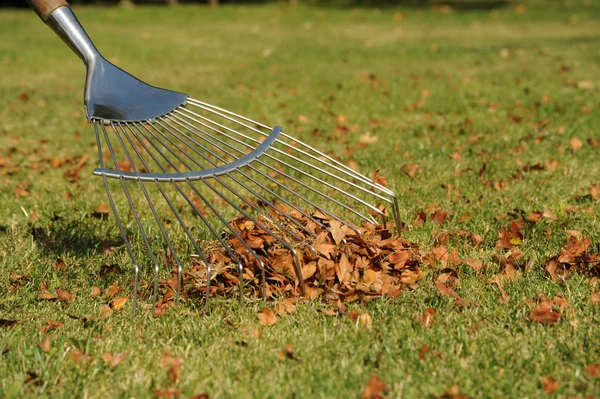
x: 45, y: 343
x: 95, y: 291
x: 476, y: 264
x: 427, y: 317
x: 45, y: 294
x: 51, y: 325
x: 374, y: 389
x: 65, y: 296
x: 595, y: 298
x: 105, y: 311
x: 167, y: 393
x: 550, y: 385
x: 114, y: 359
x: 267, y: 317
x: 171, y: 363
x: 79, y: 356
x: 593, y: 370
x: 287, y: 353
x: 543, y: 313
x: 118, y: 303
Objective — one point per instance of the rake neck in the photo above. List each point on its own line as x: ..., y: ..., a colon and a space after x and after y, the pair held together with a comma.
x: 65, y: 24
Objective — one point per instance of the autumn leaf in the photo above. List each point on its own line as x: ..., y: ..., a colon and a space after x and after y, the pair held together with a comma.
x: 167, y: 393
x: 45, y: 343
x: 95, y: 291
x: 118, y: 303
x: 171, y: 363
x: 65, y: 296
x: 550, y: 385
x: 45, y: 294
x: 287, y: 353
x: 374, y: 389
x: 114, y: 359
x: 377, y: 179
x: 287, y: 305
x: 543, y: 313
x: 427, y: 317
x: 267, y: 317
x: 476, y: 264
x: 575, y: 144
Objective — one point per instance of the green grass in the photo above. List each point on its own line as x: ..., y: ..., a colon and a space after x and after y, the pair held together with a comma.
x: 492, y: 90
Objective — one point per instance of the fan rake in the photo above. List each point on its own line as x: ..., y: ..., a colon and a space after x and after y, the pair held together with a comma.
x: 199, y: 171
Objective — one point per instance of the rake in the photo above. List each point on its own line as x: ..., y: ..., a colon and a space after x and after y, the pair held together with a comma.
x: 189, y: 170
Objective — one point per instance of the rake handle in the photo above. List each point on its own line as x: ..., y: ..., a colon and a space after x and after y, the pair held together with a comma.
x: 44, y: 8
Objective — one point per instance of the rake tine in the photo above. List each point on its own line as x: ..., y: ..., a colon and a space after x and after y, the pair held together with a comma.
x: 316, y: 191
x: 147, y: 196
x: 179, y: 219
x: 279, y: 184
x: 249, y: 203
x: 119, y: 224
x: 212, y: 230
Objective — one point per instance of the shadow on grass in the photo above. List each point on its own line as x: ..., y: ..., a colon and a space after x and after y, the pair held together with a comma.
x: 73, y: 237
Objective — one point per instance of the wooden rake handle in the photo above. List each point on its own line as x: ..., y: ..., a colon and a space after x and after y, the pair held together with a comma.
x: 44, y: 8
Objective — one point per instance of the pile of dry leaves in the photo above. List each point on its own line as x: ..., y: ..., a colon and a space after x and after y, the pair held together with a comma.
x: 340, y: 263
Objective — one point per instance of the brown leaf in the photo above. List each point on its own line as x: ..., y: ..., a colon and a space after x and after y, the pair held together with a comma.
x: 379, y: 179
x: 65, y: 295
x: 543, y: 313
x: 576, y: 144
x: 593, y: 370
x: 445, y: 290
x: 45, y: 343
x: 550, y: 385
x: 95, y: 291
x: 105, y: 311
x: 45, y: 294
x: 427, y: 318
x: 476, y: 264
x: 343, y: 269
x: 595, y: 298
x: 114, y: 359
x: 51, y: 325
x: 167, y: 393
x: 171, y: 363
x: 287, y: 305
x: 118, y: 303
x: 267, y: 317
x: 338, y: 231
x: 79, y: 356
x: 374, y: 389
x: 287, y: 353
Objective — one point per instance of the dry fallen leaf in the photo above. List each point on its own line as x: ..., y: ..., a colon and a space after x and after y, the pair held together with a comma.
x: 95, y: 291
x: 427, y: 317
x: 543, y: 313
x: 118, y: 303
x: 576, y: 143
x: 374, y: 389
x: 171, y: 363
x: 114, y: 359
x: 65, y: 295
x: 45, y: 343
x: 267, y: 317
x: 550, y: 385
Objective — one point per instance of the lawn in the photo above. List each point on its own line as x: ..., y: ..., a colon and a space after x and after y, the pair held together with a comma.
x: 485, y: 122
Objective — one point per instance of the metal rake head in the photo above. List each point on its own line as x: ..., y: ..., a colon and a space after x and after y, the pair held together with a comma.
x: 190, y: 171
x: 196, y: 169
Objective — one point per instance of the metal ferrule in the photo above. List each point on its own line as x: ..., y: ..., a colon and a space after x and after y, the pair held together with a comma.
x: 65, y: 24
